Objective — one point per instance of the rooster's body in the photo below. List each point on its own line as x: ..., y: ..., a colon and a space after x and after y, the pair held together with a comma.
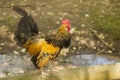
x: 42, y: 50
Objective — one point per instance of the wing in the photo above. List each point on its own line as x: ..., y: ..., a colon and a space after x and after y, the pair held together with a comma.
x: 34, y: 46
x: 47, y: 53
x: 60, y: 40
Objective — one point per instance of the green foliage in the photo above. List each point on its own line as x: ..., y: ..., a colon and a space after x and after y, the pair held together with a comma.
x: 8, y: 21
x: 106, y: 20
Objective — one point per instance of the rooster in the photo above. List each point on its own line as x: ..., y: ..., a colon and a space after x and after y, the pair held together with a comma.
x: 43, y: 50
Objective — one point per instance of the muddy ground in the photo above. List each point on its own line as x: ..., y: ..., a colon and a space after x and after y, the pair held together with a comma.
x: 48, y: 14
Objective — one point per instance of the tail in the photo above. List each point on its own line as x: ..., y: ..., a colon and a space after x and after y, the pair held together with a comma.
x: 27, y: 27
x: 20, y: 11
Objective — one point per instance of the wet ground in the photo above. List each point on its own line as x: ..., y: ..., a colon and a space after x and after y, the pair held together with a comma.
x: 91, y: 60
x: 12, y: 65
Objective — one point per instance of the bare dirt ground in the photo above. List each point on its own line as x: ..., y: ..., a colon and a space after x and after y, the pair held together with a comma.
x: 48, y: 14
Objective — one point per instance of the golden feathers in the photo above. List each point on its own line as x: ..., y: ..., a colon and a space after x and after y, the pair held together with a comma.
x: 40, y: 46
x: 44, y: 50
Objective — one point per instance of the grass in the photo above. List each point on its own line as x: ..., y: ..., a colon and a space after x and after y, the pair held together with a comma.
x: 8, y: 21
x: 106, y: 19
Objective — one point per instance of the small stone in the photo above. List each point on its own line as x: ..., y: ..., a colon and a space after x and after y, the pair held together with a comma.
x: 81, y: 1
x: 101, y: 36
x: 92, y: 43
x: 98, y: 49
x: 12, y: 4
x: 2, y: 44
x: 109, y: 51
x: 21, y: 71
x: 8, y: 60
x: 74, y: 48
x: 87, y: 15
x: 64, y: 13
x: 60, y: 18
x: 57, y: 22
x: 23, y: 50
x: 15, y: 52
x: 77, y: 38
x: 50, y: 13
x: 72, y: 30
x: 94, y: 47
x: 83, y: 25
x: 106, y: 43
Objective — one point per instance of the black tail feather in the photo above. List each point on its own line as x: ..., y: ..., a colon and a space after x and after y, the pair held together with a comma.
x: 34, y: 60
x: 26, y: 28
x: 20, y: 11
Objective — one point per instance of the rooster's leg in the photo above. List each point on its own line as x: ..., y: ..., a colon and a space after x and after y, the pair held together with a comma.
x: 43, y: 74
x: 51, y: 66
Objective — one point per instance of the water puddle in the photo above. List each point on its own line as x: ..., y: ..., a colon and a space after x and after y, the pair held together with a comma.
x: 91, y: 59
x: 11, y: 65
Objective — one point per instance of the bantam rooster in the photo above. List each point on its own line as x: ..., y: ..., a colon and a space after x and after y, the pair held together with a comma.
x: 42, y: 50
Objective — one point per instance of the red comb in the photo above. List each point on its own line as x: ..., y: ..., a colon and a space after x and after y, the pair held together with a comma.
x: 65, y: 21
